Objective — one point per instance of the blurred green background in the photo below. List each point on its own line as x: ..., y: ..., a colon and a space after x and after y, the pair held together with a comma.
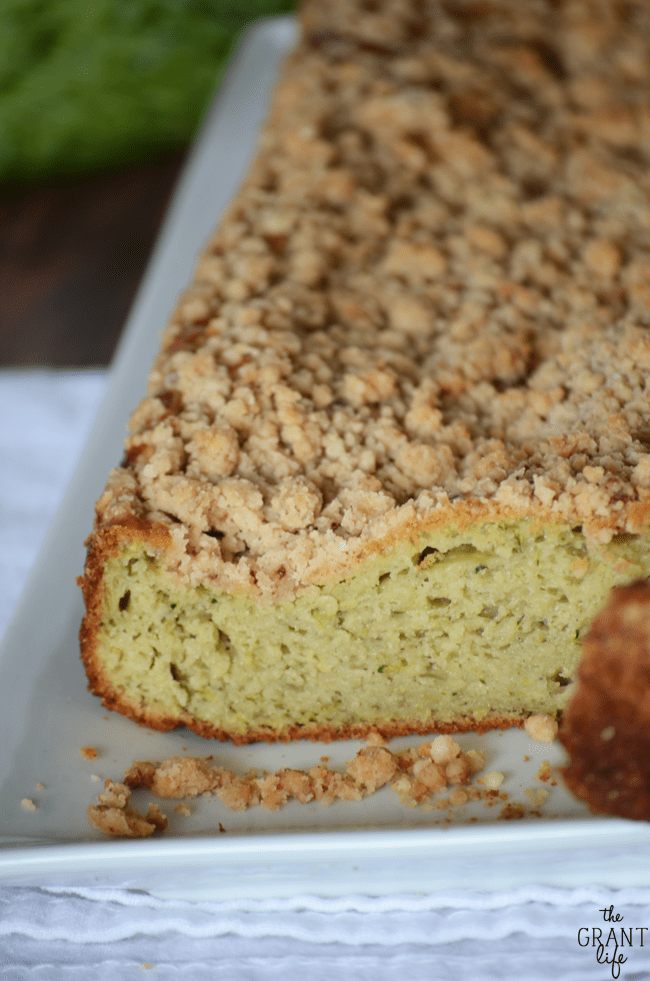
x: 93, y: 84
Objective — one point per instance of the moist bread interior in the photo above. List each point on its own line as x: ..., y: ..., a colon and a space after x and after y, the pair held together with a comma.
x: 486, y: 623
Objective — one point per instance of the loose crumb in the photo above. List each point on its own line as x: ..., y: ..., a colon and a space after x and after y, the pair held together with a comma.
x: 545, y: 774
x: 491, y: 780
x: 40, y: 786
x: 28, y: 804
x: 113, y: 816
x: 541, y: 728
x: 374, y: 766
x: 375, y: 739
x: 476, y: 760
x: 458, y: 797
x: 537, y: 796
x: 89, y: 752
x: 512, y: 811
x: 443, y: 749
x: 419, y: 776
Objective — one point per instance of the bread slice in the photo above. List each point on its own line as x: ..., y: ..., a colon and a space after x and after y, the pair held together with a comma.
x: 394, y: 452
x: 606, y: 726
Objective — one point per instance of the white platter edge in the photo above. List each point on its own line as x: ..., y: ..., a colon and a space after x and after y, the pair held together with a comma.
x: 613, y: 854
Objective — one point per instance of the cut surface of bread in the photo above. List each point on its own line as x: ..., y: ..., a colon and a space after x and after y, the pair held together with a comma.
x: 394, y: 451
x: 478, y: 630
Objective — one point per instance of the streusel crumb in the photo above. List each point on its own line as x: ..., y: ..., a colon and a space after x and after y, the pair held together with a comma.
x: 412, y: 774
x: 113, y: 816
x: 512, y: 811
x: 541, y: 728
x: 491, y: 780
x: 373, y: 767
x: 536, y: 795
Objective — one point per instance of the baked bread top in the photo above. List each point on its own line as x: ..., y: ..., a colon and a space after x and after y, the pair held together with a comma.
x: 429, y: 301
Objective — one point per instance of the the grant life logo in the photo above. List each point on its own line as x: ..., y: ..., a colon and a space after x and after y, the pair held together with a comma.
x: 610, y: 942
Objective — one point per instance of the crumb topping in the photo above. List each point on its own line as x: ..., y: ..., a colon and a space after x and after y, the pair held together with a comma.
x: 433, y: 288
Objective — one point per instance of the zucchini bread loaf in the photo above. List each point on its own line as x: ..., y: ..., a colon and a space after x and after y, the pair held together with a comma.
x: 396, y: 446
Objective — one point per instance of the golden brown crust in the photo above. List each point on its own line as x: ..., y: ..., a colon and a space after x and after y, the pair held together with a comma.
x: 606, y: 726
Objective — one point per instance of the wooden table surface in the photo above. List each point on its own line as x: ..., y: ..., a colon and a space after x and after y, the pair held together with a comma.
x: 71, y: 257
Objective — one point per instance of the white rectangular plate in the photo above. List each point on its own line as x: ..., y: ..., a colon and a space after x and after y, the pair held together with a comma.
x: 46, y: 714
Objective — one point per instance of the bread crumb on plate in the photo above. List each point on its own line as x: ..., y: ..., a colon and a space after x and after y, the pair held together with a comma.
x: 373, y: 766
x: 541, y: 728
x: 413, y: 774
x: 113, y: 816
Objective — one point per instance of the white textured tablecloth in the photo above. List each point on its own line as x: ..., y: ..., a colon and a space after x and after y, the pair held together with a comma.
x: 530, y: 934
